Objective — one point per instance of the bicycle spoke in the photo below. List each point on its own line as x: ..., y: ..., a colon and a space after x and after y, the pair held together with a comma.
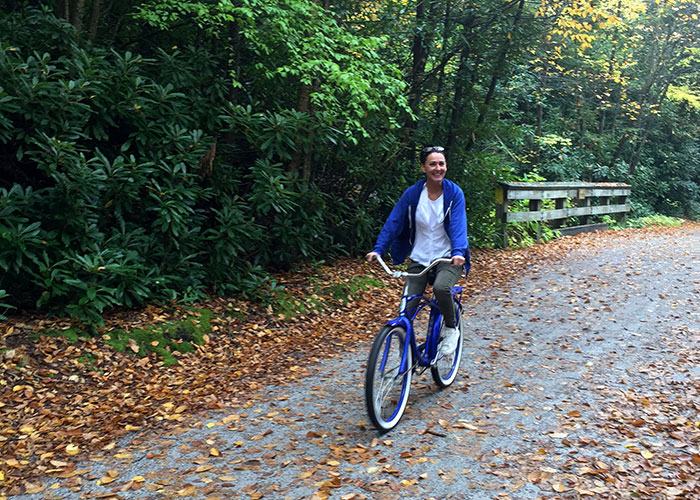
x: 388, y: 380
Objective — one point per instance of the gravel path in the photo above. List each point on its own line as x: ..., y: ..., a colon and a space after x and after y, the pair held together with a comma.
x: 579, y: 380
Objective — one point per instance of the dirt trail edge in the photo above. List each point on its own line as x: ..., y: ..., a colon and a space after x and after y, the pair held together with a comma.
x: 579, y: 380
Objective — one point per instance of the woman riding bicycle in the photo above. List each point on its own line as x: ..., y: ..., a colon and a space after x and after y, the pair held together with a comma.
x: 430, y: 222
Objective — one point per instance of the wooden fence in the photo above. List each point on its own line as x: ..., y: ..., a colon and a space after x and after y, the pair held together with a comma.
x: 571, y: 199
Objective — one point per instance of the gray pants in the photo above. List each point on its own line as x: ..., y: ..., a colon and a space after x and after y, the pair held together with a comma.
x: 445, y: 276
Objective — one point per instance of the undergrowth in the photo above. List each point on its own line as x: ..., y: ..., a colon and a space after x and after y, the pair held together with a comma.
x: 163, y: 339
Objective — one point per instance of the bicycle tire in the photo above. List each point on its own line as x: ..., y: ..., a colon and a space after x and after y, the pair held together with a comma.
x: 445, y: 369
x: 386, y: 390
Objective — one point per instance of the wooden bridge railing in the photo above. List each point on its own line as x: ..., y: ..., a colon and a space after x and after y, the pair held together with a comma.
x: 588, y: 199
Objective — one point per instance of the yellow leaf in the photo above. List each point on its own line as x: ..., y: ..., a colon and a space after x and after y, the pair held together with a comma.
x: 130, y: 427
x: 214, y: 452
x: 31, y: 488
x: 559, y: 488
x: 72, y: 449
x: 2, y: 476
x: 647, y: 454
x: 139, y: 479
x: 110, y: 446
x: 187, y: 491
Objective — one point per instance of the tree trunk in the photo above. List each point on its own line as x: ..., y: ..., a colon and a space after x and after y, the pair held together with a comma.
x: 420, y: 49
x: 618, y: 150
x: 303, y: 102
x: 498, y: 68
x: 94, y: 19
x: 235, y: 69
x: 459, y: 92
x: 77, y: 11
x: 438, y: 129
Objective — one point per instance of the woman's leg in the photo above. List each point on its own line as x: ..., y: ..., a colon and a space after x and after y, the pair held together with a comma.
x: 447, y: 276
x: 415, y: 286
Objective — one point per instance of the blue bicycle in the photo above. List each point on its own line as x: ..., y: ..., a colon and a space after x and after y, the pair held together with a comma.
x: 408, y: 344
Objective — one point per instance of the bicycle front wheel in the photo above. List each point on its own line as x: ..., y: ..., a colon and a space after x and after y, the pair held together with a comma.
x: 386, y: 387
x: 444, y: 371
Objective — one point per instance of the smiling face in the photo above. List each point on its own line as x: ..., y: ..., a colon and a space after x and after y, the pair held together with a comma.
x: 434, y: 167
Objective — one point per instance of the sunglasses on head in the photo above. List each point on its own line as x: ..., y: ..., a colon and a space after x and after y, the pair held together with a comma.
x: 433, y: 149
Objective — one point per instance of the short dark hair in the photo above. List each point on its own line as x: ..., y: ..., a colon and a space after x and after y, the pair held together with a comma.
x: 430, y: 149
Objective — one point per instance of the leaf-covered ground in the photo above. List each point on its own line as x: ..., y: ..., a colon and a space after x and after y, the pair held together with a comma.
x: 62, y: 403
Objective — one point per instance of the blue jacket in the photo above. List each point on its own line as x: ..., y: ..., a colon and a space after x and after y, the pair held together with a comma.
x: 399, y: 231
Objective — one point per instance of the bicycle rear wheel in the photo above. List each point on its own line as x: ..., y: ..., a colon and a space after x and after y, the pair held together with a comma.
x: 445, y: 369
x: 386, y: 387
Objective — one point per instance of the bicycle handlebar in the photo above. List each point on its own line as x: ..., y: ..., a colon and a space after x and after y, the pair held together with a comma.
x: 404, y: 274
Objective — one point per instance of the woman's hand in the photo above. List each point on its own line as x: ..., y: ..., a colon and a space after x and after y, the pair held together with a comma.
x: 372, y: 256
x: 458, y: 260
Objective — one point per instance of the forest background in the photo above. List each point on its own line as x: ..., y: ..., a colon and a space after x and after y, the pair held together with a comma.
x: 163, y: 150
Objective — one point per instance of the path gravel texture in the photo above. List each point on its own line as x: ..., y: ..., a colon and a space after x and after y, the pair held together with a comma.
x: 580, y: 379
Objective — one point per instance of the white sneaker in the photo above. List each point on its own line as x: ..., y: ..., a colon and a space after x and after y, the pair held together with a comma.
x: 450, y: 339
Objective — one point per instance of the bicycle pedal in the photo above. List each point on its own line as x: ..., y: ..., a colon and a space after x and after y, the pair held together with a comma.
x: 419, y: 370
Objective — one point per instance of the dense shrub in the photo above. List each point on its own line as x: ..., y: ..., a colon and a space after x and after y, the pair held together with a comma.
x: 102, y: 201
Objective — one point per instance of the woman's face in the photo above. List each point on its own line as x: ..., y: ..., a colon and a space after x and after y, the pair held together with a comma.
x: 434, y: 167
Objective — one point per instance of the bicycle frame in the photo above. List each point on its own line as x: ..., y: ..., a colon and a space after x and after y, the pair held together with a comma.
x: 427, y: 356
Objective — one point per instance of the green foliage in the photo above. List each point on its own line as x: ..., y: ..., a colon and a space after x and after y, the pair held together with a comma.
x: 4, y: 307
x: 525, y: 234
x: 323, y: 295
x: 296, y: 41
x: 72, y: 335
x: 105, y: 208
x: 342, y: 291
x: 653, y: 220
x: 163, y: 339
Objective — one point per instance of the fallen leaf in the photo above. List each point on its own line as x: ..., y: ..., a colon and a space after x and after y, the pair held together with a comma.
x: 559, y: 488
x: 72, y: 449
x: 34, y: 488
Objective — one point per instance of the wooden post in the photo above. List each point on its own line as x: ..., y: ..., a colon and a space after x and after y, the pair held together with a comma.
x: 583, y: 201
x: 605, y: 200
x: 536, y: 206
x: 622, y: 218
x: 559, y: 204
x: 502, y: 204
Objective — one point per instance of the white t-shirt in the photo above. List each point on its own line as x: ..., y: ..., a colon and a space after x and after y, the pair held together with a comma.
x: 432, y: 241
